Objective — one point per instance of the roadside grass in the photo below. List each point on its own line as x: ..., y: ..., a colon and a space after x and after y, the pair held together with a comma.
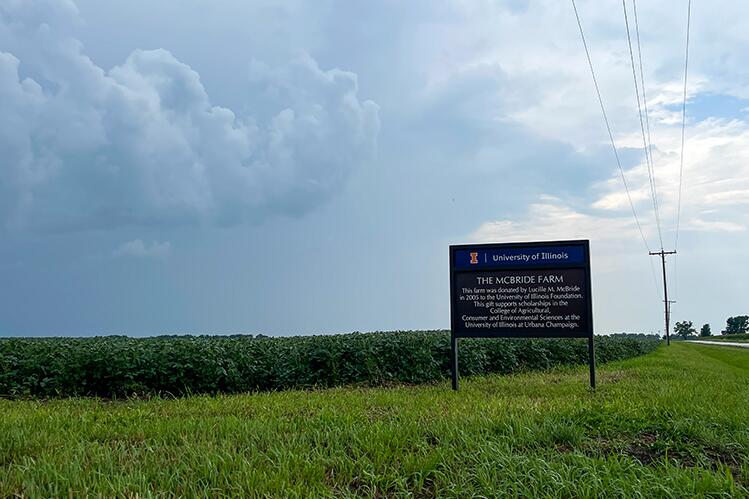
x: 669, y: 424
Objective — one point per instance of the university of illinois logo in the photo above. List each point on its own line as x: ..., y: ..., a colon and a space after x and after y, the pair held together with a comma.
x: 474, y: 258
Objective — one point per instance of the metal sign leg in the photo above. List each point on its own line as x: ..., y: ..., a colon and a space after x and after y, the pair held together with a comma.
x: 454, y: 360
x: 592, y: 363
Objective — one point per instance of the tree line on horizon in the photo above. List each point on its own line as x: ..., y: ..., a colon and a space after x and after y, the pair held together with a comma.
x: 734, y: 325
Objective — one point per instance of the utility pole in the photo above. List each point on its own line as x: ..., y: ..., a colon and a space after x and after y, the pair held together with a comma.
x: 666, y: 303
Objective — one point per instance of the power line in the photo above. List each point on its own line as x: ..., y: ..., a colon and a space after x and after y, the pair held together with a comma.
x: 681, y: 157
x: 611, y: 138
x: 649, y: 159
x: 645, y: 141
x: 608, y: 126
x: 647, y: 114
x: 649, y: 146
x: 683, y: 122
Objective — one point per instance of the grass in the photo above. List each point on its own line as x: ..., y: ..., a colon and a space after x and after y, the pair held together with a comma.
x: 670, y: 424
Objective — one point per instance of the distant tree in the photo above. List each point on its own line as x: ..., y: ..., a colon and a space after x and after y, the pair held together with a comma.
x: 737, y: 325
x: 637, y: 336
x: 684, y: 329
x: 705, y: 330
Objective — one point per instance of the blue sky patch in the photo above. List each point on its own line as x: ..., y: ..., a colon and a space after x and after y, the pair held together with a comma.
x: 707, y: 105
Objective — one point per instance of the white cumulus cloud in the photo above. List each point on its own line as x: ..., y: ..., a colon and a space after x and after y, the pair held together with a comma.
x: 142, y: 143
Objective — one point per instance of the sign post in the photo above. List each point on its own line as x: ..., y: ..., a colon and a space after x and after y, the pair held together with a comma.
x: 523, y: 290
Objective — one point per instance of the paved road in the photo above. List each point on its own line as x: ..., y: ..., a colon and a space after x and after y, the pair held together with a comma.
x: 723, y: 343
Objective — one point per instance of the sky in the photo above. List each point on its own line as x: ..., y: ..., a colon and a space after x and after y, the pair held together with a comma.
x: 302, y: 167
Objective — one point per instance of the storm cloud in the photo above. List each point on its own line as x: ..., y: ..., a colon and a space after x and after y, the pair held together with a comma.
x: 142, y: 144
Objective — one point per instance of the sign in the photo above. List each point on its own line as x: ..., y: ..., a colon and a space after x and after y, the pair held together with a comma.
x: 524, y: 290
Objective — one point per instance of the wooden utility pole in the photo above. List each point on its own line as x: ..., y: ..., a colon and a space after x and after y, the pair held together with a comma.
x: 666, y: 302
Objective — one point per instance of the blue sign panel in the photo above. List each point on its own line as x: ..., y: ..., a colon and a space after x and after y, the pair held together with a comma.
x: 524, y: 290
x: 539, y: 289
x: 508, y: 257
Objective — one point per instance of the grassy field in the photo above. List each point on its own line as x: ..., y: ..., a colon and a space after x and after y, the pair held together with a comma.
x: 670, y: 424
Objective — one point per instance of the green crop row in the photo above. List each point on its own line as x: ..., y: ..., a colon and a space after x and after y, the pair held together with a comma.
x: 117, y: 366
